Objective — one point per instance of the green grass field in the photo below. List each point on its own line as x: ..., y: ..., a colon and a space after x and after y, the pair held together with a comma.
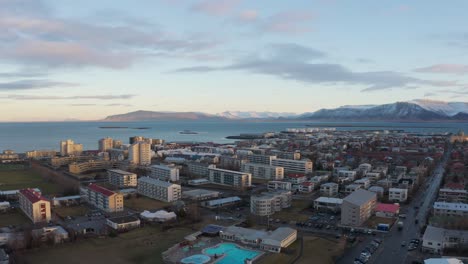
x: 20, y: 179
x: 71, y: 211
x: 144, y: 203
x: 295, y: 212
x: 320, y: 250
x: 14, y: 217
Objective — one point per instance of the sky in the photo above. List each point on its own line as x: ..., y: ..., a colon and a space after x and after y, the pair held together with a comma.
x: 67, y: 59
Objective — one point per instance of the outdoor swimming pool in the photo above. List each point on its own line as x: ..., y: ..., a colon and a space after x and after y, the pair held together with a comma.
x: 233, y: 253
x: 196, y: 259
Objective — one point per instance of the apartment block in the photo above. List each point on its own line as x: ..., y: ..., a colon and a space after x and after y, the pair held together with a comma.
x: 122, y: 179
x: 453, y: 195
x: 436, y: 239
x: 34, y: 205
x: 199, y: 169
x: 358, y: 207
x: 328, y: 204
x: 329, y: 189
x: 268, y: 203
x: 294, y: 166
x: 68, y: 147
x: 38, y: 154
x: 235, y: 179
x: 103, y: 198
x: 159, y: 190
x: 397, y: 195
x: 261, y: 159
x: 279, y: 185
x: 263, y: 171
x: 450, y: 209
x: 139, y: 153
x: 165, y: 172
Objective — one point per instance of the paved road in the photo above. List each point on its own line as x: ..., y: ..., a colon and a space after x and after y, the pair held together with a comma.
x: 393, y: 251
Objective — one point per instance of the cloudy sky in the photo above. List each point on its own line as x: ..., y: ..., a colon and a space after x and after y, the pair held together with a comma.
x: 68, y: 59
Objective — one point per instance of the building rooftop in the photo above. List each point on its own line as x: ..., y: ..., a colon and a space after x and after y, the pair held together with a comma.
x: 360, y: 197
x: 199, y: 192
x: 224, y: 200
x: 100, y: 189
x: 121, y: 172
x: 389, y: 208
x: 329, y: 200
x: 32, y: 195
x: 451, y: 206
x: 155, y: 181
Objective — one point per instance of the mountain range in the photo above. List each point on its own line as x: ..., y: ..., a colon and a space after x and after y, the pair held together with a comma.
x: 416, y: 110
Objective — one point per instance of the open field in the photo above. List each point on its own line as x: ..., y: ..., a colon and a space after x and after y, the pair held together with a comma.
x: 144, y: 203
x: 71, y: 210
x: 320, y: 250
x: 13, y: 217
x: 20, y: 179
x: 295, y: 212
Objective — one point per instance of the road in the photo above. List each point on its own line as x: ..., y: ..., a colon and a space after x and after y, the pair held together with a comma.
x: 392, y: 250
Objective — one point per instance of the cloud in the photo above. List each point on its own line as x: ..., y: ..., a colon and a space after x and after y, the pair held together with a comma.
x: 215, y: 7
x: 459, y: 69
x: 248, y: 15
x: 289, y: 22
x: 73, y: 97
x: 298, y: 66
x: 46, y: 40
x: 21, y: 74
x: 32, y: 84
x: 110, y: 105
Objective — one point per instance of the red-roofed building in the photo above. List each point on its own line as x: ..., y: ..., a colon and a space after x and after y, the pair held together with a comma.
x: 296, y: 178
x: 103, y: 198
x: 34, y: 205
x: 307, y: 187
x: 387, y: 210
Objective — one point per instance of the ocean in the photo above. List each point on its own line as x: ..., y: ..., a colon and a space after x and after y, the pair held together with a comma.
x: 22, y: 137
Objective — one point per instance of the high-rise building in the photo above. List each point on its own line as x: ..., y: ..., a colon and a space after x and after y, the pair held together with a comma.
x: 358, y: 207
x: 68, y: 147
x: 34, y: 205
x: 294, y: 166
x: 260, y: 159
x: 139, y: 153
x: 105, y: 144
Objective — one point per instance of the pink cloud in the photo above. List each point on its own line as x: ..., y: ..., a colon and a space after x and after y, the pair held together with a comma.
x: 290, y: 22
x: 216, y: 7
x: 248, y: 15
x: 459, y: 69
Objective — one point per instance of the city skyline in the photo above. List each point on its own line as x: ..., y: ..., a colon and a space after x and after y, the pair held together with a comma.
x: 66, y: 60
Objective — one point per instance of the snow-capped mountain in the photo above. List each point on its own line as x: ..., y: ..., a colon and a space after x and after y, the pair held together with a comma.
x: 255, y: 115
x: 447, y: 108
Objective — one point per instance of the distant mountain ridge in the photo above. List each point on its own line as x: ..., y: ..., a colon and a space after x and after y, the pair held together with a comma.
x: 416, y: 110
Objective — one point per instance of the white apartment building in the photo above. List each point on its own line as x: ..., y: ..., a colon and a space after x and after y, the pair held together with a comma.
x: 295, y: 178
x: 436, y: 239
x: 122, y: 179
x: 269, y: 203
x: 38, y: 154
x: 263, y: 171
x: 68, y: 147
x: 260, y: 159
x: 294, y: 166
x: 348, y: 175
x: 373, y: 176
x: 235, y: 179
x: 165, y: 173
x: 159, y: 190
x: 450, y: 209
x: 397, y: 195
x: 139, y: 153
x: 364, y: 182
x: 328, y: 204
x: 329, y: 189
x: 34, y: 205
x: 105, y: 144
x: 199, y: 169
x: 279, y: 185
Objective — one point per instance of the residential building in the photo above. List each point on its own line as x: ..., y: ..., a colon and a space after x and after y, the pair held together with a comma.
x: 217, y: 203
x: 39, y: 154
x: 165, y: 172
x: 346, y: 175
x: 329, y: 189
x: 436, y: 239
x: 34, y: 205
x: 352, y: 187
x: 294, y: 166
x: 450, y: 209
x: 364, y: 182
x: 269, y: 203
x: 199, y: 169
x: 159, y: 190
x: 272, y: 241
x: 328, y: 204
x: 91, y: 165
x: 122, y: 179
x: 397, y: 195
x: 103, y: 198
x: 358, y: 207
x: 279, y: 185
x: 68, y: 147
x: 105, y: 144
x: 260, y: 159
x: 235, y: 179
x: 123, y: 223
x: 305, y: 187
x: 387, y: 210
x: 139, y: 153
x: 200, y: 194
x: 263, y: 171
x: 453, y: 195
x: 295, y: 178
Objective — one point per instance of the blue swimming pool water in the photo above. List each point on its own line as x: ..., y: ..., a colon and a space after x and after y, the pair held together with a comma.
x: 196, y: 259
x: 233, y: 253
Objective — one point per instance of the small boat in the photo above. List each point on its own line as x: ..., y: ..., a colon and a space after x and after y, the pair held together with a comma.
x: 188, y: 132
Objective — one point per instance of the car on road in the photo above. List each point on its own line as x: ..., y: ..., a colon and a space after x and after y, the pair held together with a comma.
x: 402, y: 215
x: 403, y: 244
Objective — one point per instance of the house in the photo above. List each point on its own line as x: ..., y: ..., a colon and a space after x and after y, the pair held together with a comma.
x: 328, y: 204
x: 279, y: 185
x: 34, y: 205
x: 358, y: 207
x: 450, y: 209
x: 329, y: 189
x: 436, y: 239
x: 387, y: 210
x: 397, y: 195
x: 364, y: 182
x: 57, y: 234
x: 123, y: 223
x: 352, y: 188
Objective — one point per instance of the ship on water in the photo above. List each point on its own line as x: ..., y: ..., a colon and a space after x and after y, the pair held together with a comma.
x: 188, y: 132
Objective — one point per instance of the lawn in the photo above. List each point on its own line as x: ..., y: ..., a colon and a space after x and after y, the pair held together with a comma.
x: 71, y: 210
x: 13, y: 217
x: 295, y: 212
x: 144, y: 203
x: 20, y: 179
x: 320, y: 250
x: 374, y: 221
x: 144, y: 245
